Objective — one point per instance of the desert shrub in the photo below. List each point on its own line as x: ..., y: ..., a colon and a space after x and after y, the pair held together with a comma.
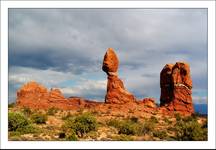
x: 16, y: 121
x: 167, y: 120
x: 28, y: 129
x: 205, y: 124
x: 71, y: 136
x: 146, y: 127
x: 122, y: 137
x: 134, y: 119
x: 52, y: 111
x: 11, y: 105
x: 62, y: 135
x: 190, y: 131
x: 190, y: 118
x: 81, y: 124
x: 128, y: 128
x: 39, y: 118
x: 26, y: 111
x: 154, y: 119
x: 69, y: 115
x: 178, y: 117
x: 113, y: 122
x: 18, y: 124
x: 160, y: 134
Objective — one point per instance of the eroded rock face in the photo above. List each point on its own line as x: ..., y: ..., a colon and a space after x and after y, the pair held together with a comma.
x: 176, y: 88
x: 36, y: 96
x: 149, y: 102
x: 33, y: 94
x: 116, y: 92
x: 166, y: 84
x: 55, y: 95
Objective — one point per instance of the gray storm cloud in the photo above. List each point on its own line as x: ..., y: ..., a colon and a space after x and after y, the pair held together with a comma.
x: 73, y: 41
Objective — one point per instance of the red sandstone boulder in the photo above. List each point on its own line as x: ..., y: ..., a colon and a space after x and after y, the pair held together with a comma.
x: 110, y: 62
x: 176, y: 88
x: 116, y: 92
x: 149, y: 102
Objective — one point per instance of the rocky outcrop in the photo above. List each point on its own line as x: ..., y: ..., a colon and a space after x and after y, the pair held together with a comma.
x: 33, y: 95
x: 149, y: 102
x: 176, y: 88
x: 55, y: 95
x: 36, y: 96
x: 175, y: 84
x: 116, y: 92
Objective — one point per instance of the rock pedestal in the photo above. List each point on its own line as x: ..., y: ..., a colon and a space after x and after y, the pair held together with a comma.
x: 116, y: 92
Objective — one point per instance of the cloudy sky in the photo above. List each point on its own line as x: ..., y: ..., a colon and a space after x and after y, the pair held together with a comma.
x: 64, y: 48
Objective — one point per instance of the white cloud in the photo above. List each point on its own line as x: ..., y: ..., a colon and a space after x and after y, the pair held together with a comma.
x: 87, y: 88
x: 21, y: 75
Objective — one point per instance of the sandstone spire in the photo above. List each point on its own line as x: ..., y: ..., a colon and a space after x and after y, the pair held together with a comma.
x: 176, y: 87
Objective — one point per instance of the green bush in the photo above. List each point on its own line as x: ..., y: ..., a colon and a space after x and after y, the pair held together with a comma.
x: 71, y: 136
x: 69, y: 115
x: 62, y: 135
x: 17, y: 121
x: 154, y: 119
x: 190, y: 131
x: 147, y: 127
x: 128, y: 127
x: 39, y: 118
x: 27, y: 111
x: 160, y: 134
x: 178, y: 117
x: 18, y: 124
x: 134, y: 119
x: 167, y: 120
x: 52, y: 111
x: 114, y: 123
x: 122, y: 137
x: 28, y: 129
x: 81, y: 124
x: 11, y: 105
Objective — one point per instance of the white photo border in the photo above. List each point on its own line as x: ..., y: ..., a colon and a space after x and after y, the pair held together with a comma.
x: 5, y: 5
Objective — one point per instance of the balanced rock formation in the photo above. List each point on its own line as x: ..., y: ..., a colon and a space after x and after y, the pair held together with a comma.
x: 176, y: 88
x: 116, y: 92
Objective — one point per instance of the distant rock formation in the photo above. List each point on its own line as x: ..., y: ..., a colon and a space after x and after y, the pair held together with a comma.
x: 176, y: 88
x: 116, y: 92
x: 175, y: 84
x: 36, y: 96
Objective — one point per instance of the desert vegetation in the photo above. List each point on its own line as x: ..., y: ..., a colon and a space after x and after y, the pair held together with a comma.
x: 87, y: 125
